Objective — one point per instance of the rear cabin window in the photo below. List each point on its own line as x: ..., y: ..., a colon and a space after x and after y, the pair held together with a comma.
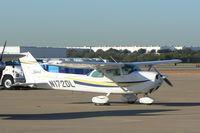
x: 97, y: 74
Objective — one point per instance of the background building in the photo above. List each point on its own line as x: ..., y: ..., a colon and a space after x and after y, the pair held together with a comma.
x: 130, y: 48
x: 38, y: 52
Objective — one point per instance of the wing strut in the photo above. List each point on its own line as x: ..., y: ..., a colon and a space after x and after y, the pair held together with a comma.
x: 150, y: 66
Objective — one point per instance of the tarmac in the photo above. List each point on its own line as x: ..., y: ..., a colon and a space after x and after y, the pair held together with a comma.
x: 175, y: 110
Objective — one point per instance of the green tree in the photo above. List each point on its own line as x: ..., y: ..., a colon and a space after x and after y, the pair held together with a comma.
x: 164, y: 50
x: 153, y: 51
x: 142, y: 51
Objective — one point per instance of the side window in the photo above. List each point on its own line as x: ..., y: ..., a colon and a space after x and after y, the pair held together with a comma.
x: 137, y: 68
x: 16, y: 62
x: 97, y: 74
x: 113, y: 72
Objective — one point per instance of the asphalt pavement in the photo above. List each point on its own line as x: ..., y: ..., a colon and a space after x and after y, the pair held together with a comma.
x: 176, y: 109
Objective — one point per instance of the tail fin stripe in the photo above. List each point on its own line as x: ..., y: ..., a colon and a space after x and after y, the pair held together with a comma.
x: 28, y: 62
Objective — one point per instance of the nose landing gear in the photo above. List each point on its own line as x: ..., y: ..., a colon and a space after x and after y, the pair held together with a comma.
x: 146, y: 100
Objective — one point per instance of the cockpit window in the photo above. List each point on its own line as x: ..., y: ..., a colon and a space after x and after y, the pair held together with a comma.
x: 97, y: 74
x: 127, y: 69
x: 113, y: 72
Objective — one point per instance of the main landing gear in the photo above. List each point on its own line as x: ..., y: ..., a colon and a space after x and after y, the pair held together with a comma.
x: 132, y: 98
x: 101, y: 100
x: 128, y: 98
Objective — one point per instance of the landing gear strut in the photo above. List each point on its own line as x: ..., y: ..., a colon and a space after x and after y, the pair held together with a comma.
x: 129, y: 98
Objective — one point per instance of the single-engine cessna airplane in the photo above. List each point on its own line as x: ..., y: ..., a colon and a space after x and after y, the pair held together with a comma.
x: 126, y: 79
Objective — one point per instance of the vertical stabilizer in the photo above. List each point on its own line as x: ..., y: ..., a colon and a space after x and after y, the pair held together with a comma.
x: 31, y: 67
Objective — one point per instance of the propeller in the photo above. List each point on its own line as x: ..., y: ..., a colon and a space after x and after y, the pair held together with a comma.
x: 2, y: 63
x: 168, y: 82
x: 1, y: 58
x: 164, y: 77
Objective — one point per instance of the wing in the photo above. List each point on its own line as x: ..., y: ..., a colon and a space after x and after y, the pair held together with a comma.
x: 103, y: 66
x: 88, y: 65
x: 107, y: 65
x: 156, y: 62
x: 9, y: 57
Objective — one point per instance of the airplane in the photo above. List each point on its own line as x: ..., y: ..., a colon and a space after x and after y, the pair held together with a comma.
x: 7, y: 57
x: 126, y: 79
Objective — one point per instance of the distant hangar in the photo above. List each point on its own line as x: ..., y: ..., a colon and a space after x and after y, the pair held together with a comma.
x: 38, y: 52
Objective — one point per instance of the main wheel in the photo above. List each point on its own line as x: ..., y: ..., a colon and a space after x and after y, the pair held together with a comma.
x: 7, y: 82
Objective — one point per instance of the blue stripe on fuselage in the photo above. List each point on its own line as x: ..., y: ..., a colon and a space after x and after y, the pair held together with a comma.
x: 97, y: 85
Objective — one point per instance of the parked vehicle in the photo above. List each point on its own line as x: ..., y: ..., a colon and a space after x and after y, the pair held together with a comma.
x: 12, y: 74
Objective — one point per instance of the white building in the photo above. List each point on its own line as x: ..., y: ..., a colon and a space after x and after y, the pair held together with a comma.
x: 130, y: 48
x: 56, y: 52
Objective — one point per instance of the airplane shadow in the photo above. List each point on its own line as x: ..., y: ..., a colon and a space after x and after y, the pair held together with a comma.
x: 80, y: 115
x: 178, y: 104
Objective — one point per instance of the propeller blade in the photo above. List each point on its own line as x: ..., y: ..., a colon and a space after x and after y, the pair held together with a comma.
x: 168, y: 82
x: 164, y: 77
x: 1, y: 58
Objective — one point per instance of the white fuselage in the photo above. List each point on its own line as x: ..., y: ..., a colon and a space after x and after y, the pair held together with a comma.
x: 122, y: 80
x: 135, y: 82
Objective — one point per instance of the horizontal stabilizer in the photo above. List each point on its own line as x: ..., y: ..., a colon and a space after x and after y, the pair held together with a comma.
x: 29, y: 84
x: 9, y: 57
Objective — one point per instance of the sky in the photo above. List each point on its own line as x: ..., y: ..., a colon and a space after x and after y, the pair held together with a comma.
x: 63, y: 23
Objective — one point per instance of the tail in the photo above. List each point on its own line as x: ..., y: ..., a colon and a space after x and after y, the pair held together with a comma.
x: 30, y: 67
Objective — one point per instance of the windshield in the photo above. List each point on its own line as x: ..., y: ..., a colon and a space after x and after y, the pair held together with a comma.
x: 127, y: 69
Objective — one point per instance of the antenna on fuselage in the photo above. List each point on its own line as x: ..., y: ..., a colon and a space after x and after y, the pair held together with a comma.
x: 113, y: 59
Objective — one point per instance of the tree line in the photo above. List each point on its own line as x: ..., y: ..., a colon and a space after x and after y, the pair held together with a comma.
x: 186, y: 55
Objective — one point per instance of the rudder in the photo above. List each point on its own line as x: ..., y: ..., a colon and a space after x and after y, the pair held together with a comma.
x: 30, y: 67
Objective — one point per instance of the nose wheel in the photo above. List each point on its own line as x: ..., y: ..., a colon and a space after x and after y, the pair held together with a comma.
x: 146, y: 100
